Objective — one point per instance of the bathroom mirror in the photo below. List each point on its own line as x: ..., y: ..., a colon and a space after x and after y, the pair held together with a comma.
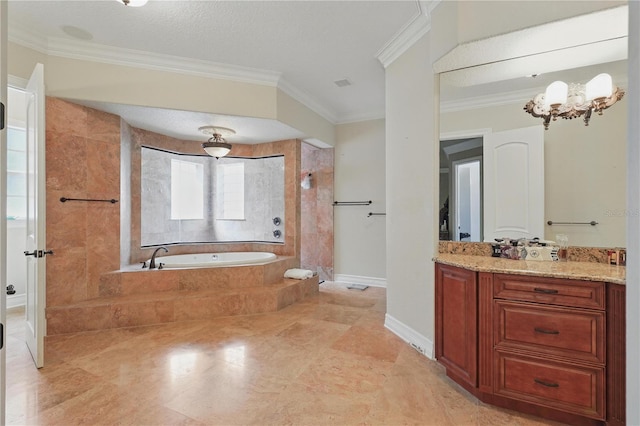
x: 584, y: 166
x: 192, y: 198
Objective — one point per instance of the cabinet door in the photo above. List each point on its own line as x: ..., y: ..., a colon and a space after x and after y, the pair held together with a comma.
x: 456, y: 322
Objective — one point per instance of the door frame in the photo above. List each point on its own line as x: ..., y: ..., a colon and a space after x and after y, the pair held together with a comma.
x: 462, y: 134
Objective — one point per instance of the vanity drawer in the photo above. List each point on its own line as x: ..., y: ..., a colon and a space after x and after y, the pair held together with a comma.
x: 555, y: 291
x: 575, y: 333
x: 567, y: 387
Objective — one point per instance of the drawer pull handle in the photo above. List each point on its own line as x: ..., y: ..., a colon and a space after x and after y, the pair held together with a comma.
x: 544, y: 331
x: 547, y: 384
x: 545, y: 290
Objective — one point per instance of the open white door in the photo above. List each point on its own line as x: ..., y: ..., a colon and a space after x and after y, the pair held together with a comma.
x: 514, y: 184
x: 36, y: 197
x: 3, y: 204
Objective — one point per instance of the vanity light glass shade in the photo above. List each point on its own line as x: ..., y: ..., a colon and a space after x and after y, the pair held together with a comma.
x: 216, y: 149
x: 133, y: 3
x: 556, y: 93
x: 600, y: 86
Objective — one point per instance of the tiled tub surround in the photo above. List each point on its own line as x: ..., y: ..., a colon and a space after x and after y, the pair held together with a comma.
x: 92, y: 154
x: 134, y: 297
x: 576, y: 254
x: 134, y: 139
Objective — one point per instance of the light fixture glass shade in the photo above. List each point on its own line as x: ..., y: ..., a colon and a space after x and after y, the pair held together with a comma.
x: 133, y: 3
x: 600, y: 86
x: 556, y: 93
x: 216, y: 149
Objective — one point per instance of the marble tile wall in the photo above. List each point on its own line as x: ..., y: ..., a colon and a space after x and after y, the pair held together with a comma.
x: 82, y: 161
x: 289, y: 148
x: 316, y: 251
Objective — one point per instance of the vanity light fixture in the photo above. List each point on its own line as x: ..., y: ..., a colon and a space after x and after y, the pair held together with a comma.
x: 574, y: 100
x: 133, y: 3
x: 216, y: 146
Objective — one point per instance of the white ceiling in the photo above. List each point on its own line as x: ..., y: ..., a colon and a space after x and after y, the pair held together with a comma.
x: 304, y: 45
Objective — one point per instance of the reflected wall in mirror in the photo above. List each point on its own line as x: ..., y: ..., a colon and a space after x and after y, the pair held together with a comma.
x: 191, y: 198
x: 584, y: 166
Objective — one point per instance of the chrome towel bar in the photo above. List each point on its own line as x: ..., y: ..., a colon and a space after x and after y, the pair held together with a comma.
x: 592, y: 223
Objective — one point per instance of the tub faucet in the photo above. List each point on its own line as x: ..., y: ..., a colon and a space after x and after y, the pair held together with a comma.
x: 152, y: 263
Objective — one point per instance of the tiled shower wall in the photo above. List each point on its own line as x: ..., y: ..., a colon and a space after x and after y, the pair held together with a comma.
x: 316, y: 252
x: 83, y: 151
x: 82, y: 161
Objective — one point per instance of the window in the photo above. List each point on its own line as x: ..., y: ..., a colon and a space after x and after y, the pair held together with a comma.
x: 187, y: 190
x: 16, y: 173
x: 231, y: 187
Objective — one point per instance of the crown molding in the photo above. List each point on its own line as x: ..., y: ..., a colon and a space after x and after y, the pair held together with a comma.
x: 507, y: 98
x: 87, y: 51
x: 358, y: 117
x: 307, y: 100
x: 487, y: 101
x: 76, y: 49
x: 26, y: 37
x: 409, y: 34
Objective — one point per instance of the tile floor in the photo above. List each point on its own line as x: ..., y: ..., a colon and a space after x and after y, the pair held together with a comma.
x: 325, y: 361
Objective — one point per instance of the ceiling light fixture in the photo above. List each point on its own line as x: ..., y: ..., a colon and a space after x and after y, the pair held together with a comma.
x: 574, y: 100
x: 216, y: 146
x: 133, y: 3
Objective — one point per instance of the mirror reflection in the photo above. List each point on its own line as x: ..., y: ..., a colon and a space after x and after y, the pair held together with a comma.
x: 581, y: 178
x: 187, y: 198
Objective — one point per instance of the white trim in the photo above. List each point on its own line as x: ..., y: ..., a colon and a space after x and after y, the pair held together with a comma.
x: 355, y: 279
x: 465, y: 134
x: 359, y: 117
x: 17, y: 83
x: 307, y: 101
x: 487, y: 101
x: 15, y: 300
x: 416, y: 340
x: 408, y: 34
x: 82, y: 50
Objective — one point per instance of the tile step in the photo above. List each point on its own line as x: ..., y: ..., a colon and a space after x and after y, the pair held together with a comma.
x: 172, y: 306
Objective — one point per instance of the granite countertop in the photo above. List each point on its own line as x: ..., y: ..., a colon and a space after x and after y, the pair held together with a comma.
x: 570, y: 270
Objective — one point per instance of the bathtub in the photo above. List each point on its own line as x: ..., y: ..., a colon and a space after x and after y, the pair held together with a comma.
x: 212, y: 260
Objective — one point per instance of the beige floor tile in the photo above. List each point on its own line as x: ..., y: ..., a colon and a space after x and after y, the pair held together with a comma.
x: 327, y: 360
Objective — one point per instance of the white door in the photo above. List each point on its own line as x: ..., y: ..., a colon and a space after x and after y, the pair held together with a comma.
x: 36, y: 239
x: 467, y: 193
x: 3, y: 202
x: 514, y: 184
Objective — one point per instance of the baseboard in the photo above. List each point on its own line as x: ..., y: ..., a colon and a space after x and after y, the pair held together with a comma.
x: 16, y: 300
x: 355, y: 279
x: 409, y: 335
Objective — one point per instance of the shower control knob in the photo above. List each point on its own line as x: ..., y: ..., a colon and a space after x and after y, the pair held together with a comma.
x: 277, y: 221
x: 277, y: 233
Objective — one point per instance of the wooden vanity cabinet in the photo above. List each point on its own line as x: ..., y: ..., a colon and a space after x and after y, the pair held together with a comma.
x: 456, y: 323
x: 546, y: 346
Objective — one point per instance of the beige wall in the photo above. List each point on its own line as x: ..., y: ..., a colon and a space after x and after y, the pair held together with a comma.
x: 360, y: 176
x: 585, y: 168
x: 103, y: 82
x: 412, y: 190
